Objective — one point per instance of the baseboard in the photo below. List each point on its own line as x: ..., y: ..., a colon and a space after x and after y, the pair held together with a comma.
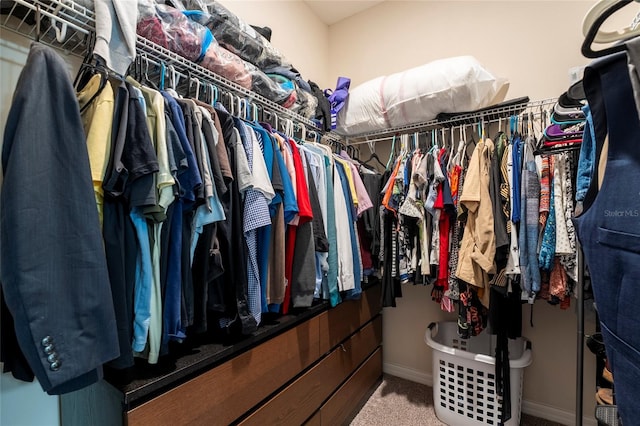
x: 554, y: 414
x: 407, y: 373
x: 528, y: 407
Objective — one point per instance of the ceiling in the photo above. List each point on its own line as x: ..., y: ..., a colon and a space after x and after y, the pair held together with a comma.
x: 331, y: 12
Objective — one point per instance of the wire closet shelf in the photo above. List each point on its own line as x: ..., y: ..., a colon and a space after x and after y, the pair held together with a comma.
x: 486, y: 116
x: 67, y: 24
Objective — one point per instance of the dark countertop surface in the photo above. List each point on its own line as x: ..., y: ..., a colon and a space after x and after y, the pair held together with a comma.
x: 192, y: 357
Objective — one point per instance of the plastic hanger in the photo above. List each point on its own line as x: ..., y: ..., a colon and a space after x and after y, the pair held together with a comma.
x: 303, y: 133
x: 375, y: 157
x: 452, y: 150
x: 242, y: 108
x: 173, y: 79
x: 197, y: 83
x: 601, y: 36
x: 144, y: 77
x: 232, y: 104
x: 289, y: 126
x: 86, y: 72
x: 434, y: 141
x: 592, y: 33
x: 393, y: 148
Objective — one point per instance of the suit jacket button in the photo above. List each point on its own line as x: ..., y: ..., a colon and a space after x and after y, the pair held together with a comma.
x: 48, y: 349
x: 47, y: 341
x: 53, y: 357
x: 55, y: 366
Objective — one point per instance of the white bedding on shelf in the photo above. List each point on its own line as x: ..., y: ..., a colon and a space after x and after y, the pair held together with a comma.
x: 458, y: 84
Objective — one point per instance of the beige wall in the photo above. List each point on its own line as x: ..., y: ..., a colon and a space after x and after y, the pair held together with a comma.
x: 531, y: 43
x: 296, y: 32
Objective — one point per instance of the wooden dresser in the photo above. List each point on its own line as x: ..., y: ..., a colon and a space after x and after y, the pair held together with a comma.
x: 317, y: 370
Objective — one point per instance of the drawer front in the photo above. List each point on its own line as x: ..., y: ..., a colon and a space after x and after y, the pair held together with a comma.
x: 304, y: 396
x: 338, y: 323
x: 314, y: 421
x: 341, y: 405
x: 228, y: 391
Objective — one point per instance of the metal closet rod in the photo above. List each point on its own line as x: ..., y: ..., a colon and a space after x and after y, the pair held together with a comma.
x: 158, y: 54
x: 469, y: 119
x: 196, y: 71
x: 238, y: 106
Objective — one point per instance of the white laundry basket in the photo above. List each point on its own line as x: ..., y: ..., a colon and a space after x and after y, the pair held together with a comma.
x: 464, y: 392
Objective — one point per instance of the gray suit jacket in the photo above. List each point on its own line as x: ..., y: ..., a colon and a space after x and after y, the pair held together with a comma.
x: 53, y: 269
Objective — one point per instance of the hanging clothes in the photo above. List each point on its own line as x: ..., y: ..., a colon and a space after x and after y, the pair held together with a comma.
x: 529, y: 220
x: 210, y: 222
x: 477, y: 249
x: 301, y: 249
x: 68, y: 254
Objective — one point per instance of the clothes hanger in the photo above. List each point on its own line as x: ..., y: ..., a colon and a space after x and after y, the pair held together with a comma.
x: 213, y: 94
x: 197, y: 83
x: 144, y: 77
x: 87, y: 70
x: 375, y: 157
x: 434, y: 142
x: 275, y: 120
x: 591, y: 29
x: 391, y: 153
x: 255, y: 111
x: 452, y: 147
x: 601, y: 36
x: 173, y: 80
x: 231, y: 103
x: 289, y: 128
x: 301, y: 133
x: 242, y: 108
x: 541, y: 149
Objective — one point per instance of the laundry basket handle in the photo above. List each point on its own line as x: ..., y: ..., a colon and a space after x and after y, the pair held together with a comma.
x: 428, y: 339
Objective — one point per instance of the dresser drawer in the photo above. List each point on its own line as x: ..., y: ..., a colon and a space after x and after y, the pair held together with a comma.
x: 314, y: 420
x: 338, y: 323
x: 295, y: 403
x: 225, y: 393
x: 341, y: 406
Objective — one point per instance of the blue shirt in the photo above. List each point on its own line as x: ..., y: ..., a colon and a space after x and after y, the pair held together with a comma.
x: 587, y: 156
x: 264, y: 233
x: 143, y: 283
x: 290, y: 203
x: 516, y: 172
x: 190, y: 180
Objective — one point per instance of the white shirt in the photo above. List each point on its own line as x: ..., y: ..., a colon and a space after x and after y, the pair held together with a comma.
x: 345, y: 259
x: 261, y: 181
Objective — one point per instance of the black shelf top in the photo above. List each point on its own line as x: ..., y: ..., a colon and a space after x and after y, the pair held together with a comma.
x: 191, y: 358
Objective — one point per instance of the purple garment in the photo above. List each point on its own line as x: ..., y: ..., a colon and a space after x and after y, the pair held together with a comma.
x: 338, y: 98
x: 555, y: 131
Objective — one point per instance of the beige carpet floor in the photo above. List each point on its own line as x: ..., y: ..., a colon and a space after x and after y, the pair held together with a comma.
x: 401, y: 402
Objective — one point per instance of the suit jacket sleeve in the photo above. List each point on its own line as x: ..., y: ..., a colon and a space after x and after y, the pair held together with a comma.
x: 53, y: 269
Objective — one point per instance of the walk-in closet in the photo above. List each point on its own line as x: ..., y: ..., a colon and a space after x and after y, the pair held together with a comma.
x: 311, y: 212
